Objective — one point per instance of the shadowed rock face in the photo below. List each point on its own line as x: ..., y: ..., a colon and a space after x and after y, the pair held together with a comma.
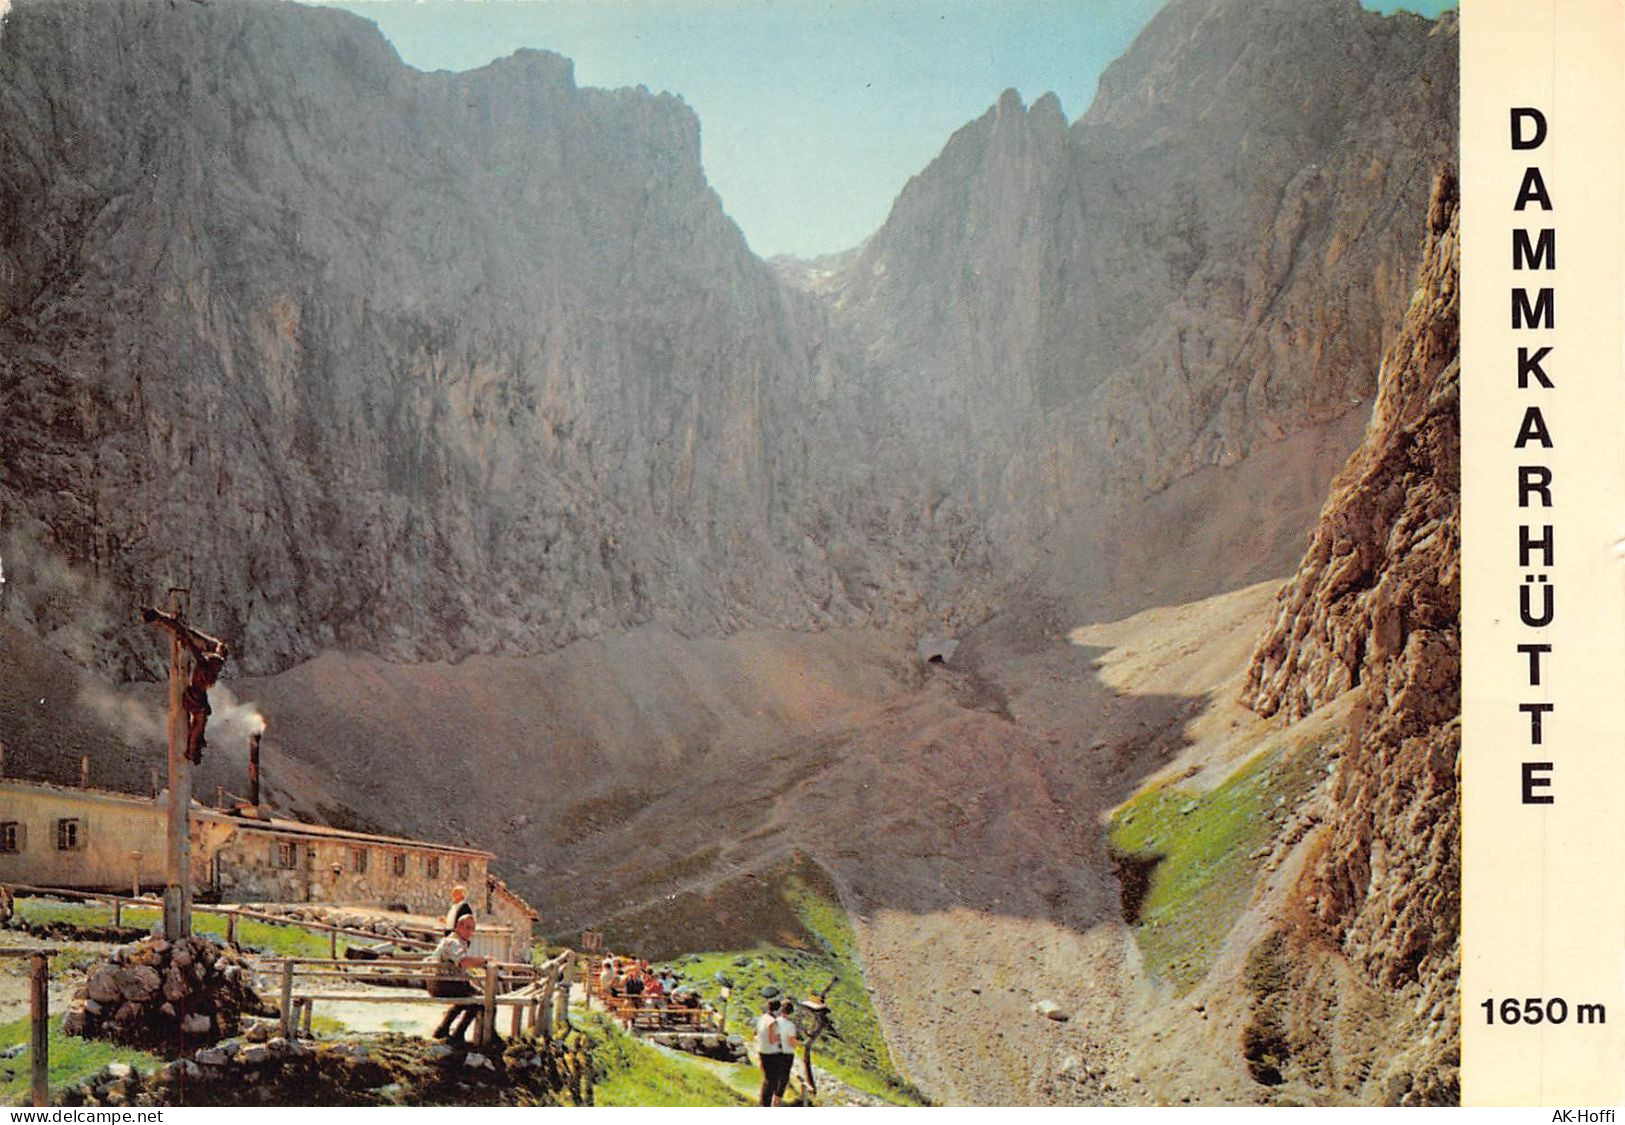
x: 415, y: 363
x: 1375, y: 608
x: 429, y: 364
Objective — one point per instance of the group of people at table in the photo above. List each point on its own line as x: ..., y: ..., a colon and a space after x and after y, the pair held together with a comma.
x: 626, y: 978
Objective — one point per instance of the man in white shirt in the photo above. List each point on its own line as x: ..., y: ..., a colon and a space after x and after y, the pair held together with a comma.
x: 769, y: 1051
x: 450, y: 978
x: 788, y: 1041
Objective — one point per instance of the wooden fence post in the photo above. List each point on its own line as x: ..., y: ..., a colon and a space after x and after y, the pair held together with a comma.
x: 488, y: 1009
x: 118, y: 911
x: 231, y: 928
x: 541, y: 1016
x: 561, y: 997
x: 39, y: 999
x: 333, y: 944
x: 287, y: 999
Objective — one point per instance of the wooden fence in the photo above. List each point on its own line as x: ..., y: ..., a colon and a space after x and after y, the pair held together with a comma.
x: 539, y: 994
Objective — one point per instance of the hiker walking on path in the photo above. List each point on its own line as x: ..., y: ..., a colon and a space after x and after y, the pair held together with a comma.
x: 770, y: 1052
x: 788, y: 1041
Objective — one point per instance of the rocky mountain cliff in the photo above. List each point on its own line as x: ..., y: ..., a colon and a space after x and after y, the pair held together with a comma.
x: 430, y: 364
x: 1208, y: 261
x: 421, y: 364
x: 1375, y: 609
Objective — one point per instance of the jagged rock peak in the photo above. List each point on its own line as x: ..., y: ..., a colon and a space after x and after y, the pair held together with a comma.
x: 545, y: 67
x: 1197, y: 58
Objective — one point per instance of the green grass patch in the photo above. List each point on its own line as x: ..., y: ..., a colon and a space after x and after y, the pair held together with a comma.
x: 1191, y: 855
x: 73, y: 959
x: 326, y: 1027
x: 268, y: 937
x: 55, y: 912
x: 629, y: 1073
x: 263, y: 937
x: 73, y: 1060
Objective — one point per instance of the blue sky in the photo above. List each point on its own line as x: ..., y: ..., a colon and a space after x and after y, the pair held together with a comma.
x: 813, y: 113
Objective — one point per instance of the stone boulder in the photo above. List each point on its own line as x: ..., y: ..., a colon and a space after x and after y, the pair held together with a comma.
x: 158, y: 993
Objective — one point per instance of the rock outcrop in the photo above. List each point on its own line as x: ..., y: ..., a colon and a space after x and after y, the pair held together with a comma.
x: 1375, y: 609
x: 160, y: 993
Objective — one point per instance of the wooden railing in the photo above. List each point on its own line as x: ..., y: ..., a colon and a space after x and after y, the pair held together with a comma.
x: 539, y: 994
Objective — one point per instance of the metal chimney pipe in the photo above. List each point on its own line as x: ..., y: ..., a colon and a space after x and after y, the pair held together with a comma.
x: 254, y: 769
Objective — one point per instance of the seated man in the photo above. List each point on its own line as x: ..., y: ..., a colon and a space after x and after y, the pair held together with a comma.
x: 452, y: 960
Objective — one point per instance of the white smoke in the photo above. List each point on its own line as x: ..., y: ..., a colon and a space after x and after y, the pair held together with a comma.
x: 135, y: 718
x: 232, y: 722
x: 141, y: 722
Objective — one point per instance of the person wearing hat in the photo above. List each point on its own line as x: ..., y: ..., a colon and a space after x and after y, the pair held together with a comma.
x: 450, y: 978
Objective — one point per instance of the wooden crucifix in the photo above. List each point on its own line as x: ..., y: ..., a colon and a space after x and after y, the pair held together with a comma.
x: 188, y: 716
x: 817, y: 1007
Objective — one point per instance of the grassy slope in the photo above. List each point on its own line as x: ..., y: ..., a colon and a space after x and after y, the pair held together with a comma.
x: 799, y: 967
x: 630, y: 1073
x: 1202, y: 844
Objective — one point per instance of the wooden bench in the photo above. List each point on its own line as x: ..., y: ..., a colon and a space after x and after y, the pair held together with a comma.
x: 637, y: 1013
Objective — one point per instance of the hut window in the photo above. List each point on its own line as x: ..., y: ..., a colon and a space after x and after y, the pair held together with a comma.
x: 358, y: 860
x: 462, y: 870
x: 11, y: 836
x: 70, y: 834
x: 397, y: 864
x: 287, y: 853
x: 431, y: 866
